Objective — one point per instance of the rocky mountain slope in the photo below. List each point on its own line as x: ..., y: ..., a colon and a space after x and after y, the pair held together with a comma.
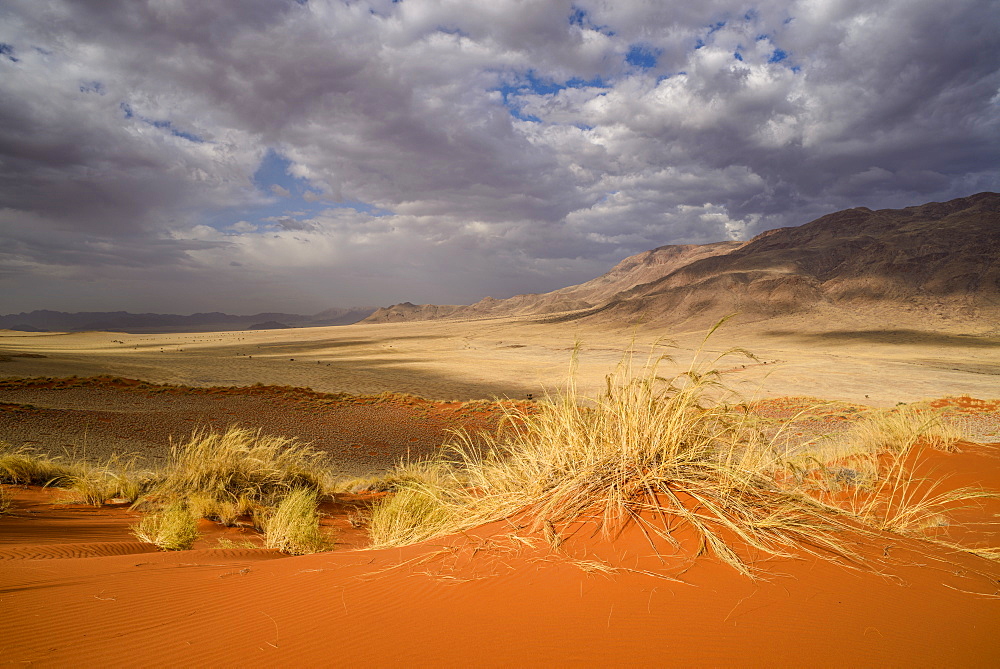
x: 633, y: 271
x: 937, y: 261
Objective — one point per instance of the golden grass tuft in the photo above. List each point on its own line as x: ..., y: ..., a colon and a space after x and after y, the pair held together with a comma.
x: 676, y: 449
x: 648, y: 443
x: 415, y: 511
x: 240, y: 466
x: 225, y: 510
x: 25, y: 466
x: 293, y: 527
x: 228, y: 544
x: 868, y: 471
x: 903, y: 427
x: 172, y: 528
x: 116, y: 478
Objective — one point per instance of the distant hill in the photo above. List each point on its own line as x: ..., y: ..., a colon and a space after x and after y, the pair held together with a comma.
x: 22, y: 327
x: 634, y: 270
x: 933, y: 261
x: 123, y: 321
x: 269, y: 325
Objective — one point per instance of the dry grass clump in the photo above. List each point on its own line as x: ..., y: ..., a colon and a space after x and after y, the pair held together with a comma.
x: 648, y: 443
x: 241, y: 472
x: 226, y: 510
x: 293, y: 527
x: 240, y: 466
x: 172, y: 528
x: 25, y: 466
x: 903, y: 427
x: 4, y: 502
x: 116, y: 478
x: 673, y: 449
x: 869, y: 471
x: 418, y: 511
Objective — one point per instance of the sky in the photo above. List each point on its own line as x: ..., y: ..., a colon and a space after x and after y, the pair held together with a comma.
x: 291, y: 155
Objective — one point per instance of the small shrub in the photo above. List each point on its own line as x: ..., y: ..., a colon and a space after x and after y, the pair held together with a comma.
x: 172, y: 528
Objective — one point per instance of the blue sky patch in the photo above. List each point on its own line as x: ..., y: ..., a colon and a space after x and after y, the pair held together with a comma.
x: 162, y: 125
x: 580, y: 17
x: 92, y: 87
x: 287, y: 203
x: 777, y: 56
x: 169, y: 127
x: 640, y: 55
x: 530, y: 83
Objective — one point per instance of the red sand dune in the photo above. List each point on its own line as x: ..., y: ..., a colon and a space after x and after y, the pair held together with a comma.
x: 485, y: 598
x: 77, y: 589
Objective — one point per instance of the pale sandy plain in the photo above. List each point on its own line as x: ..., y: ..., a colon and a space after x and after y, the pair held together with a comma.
x: 863, y: 362
x: 76, y: 588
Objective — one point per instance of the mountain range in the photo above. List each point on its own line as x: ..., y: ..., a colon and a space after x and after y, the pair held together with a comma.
x: 123, y: 321
x: 934, y: 261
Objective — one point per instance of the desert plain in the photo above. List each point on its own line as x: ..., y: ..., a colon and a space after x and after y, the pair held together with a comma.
x: 77, y: 587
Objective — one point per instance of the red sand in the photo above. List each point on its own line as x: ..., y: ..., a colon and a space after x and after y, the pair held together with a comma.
x: 77, y: 589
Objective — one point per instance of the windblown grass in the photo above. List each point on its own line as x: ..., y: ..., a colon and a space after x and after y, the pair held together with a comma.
x: 293, y: 527
x: 670, y: 445
x: 223, y: 476
x: 116, y: 478
x: 869, y: 471
x: 673, y: 448
x: 240, y: 466
x: 903, y: 427
x: 25, y: 466
x: 171, y: 528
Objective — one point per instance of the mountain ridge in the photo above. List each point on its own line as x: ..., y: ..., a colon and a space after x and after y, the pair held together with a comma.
x: 45, y: 320
x: 939, y: 260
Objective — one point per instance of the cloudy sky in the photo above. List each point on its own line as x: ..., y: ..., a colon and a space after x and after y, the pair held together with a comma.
x: 184, y: 155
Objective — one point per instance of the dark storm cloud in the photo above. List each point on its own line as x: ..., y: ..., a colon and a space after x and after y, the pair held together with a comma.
x: 480, y: 147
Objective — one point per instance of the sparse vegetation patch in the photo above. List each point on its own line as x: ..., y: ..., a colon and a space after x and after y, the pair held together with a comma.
x: 173, y: 527
x: 680, y: 449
